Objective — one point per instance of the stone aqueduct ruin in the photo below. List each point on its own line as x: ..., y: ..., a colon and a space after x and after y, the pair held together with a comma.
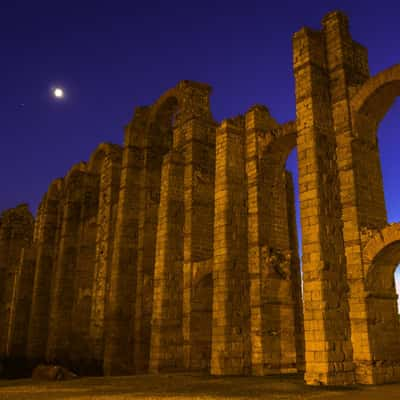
x: 178, y: 251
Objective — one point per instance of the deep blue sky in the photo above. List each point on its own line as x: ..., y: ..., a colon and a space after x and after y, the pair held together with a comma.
x: 111, y: 56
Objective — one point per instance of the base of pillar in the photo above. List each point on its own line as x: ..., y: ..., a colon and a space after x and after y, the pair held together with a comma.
x: 377, y: 372
x: 330, y: 378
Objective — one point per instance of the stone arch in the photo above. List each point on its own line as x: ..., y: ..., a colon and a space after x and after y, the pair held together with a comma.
x: 97, y: 158
x: 74, y: 172
x: 186, y: 101
x: 55, y: 187
x: 278, y: 143
x: 275, y: 241
x: 103, y: 150
x: 369, y: 106
x: 381, y: 257
x: 281, y: 280
x: 376, y: 96
x: 54, y: 193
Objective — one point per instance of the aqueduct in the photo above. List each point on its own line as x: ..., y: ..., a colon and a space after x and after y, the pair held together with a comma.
x: 178, y: 251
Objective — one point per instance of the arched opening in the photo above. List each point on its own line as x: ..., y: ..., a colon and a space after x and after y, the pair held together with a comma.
x: 161, y: 123
x: 374, y: 113
x: 382, y: 302
x: 292, y: 167
x: 281, y: 274
x: 388, y: 150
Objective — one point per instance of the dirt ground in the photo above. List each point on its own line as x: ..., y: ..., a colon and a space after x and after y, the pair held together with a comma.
x: 188, y: 386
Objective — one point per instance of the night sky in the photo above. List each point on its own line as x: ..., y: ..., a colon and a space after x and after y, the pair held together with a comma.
x: 111, y: 56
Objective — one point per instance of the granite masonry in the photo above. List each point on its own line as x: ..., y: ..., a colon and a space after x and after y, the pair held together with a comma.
x: 178, y: 251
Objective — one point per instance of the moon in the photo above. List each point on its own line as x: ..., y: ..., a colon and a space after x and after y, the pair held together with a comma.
x: 58, y: 93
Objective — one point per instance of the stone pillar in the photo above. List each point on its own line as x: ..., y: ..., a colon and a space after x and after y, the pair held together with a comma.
x: 361, y: 187
x: 166, y: 337
x: 62, y: 294
x: 21, y: 306
x: 79, y: 341
x: 231, y: 307
x: 258, y: 121
x: 119, y: 314
x: 148, y: 208
x: 326, y: 311
x: 16, y: 232
x: 199, y: 176
x: 47, y: 226
x: 110, y: 174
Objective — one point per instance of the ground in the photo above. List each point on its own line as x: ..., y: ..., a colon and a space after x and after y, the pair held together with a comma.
x: 189, y: 386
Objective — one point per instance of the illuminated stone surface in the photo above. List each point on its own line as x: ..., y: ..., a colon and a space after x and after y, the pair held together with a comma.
x: 178, y: 251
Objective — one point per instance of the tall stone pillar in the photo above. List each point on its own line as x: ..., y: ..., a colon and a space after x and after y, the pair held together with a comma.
x: 326, y: 312
x: 62, y: 296
x: 362, y: 198
x: 199, y: 175
x: 16, y: 232
x: 110, y: 174
x: 21, y: 306
x: 231, y: 307
x: 258, y: 121
x: 80, y: 354
x: 361, y: 186
x: 148, y: 207
x: 47, y: 226
x: 181, y: 131
x: 166, y: 337
x: 119, y: 314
